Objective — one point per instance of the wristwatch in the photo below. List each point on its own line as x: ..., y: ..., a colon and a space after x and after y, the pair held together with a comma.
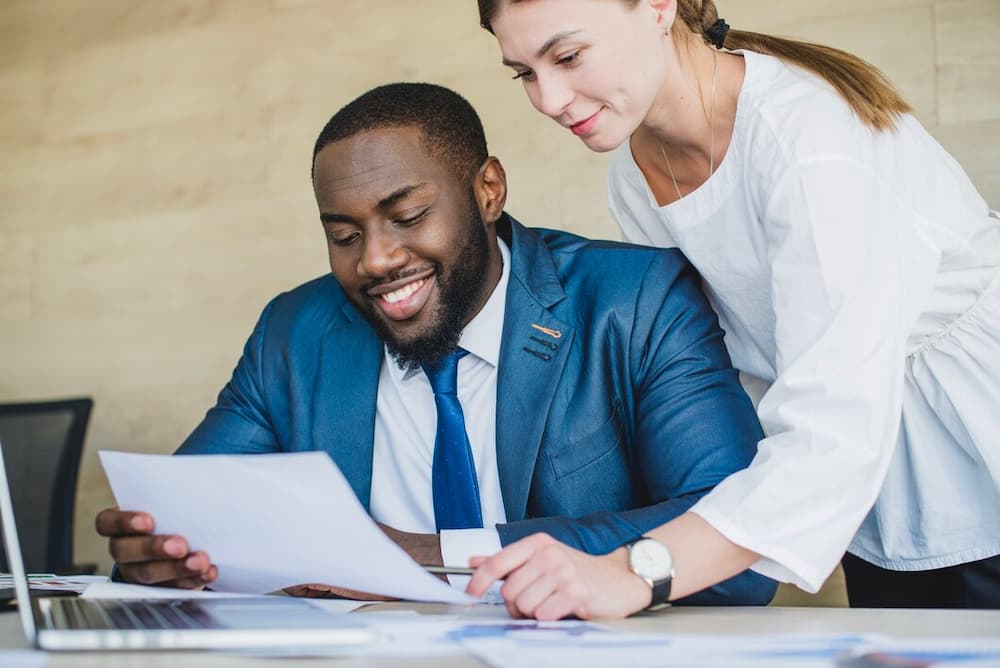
x: 651, y: 560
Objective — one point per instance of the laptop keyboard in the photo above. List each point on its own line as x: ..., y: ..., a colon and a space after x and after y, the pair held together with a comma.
x: 134, y: 614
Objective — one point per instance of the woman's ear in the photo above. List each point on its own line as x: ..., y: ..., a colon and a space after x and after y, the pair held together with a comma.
x: 665, y: 11
x: 490, y: 188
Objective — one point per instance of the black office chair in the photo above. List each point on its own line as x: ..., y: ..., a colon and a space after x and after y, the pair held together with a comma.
x: 42, y: 443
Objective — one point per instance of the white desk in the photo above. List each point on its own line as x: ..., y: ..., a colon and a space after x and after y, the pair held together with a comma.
x: 898, y: 623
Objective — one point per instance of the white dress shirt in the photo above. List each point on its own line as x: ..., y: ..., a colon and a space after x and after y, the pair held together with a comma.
x: 857, y: 274
x: 406, y: 424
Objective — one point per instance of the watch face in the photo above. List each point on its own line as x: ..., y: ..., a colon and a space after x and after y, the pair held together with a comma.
x: 651, y: 559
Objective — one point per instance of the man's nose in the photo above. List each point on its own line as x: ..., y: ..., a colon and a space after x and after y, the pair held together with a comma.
x: 382, y: 253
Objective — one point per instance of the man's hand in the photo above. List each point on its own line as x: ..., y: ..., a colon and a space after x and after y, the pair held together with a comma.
x: 145, y: 558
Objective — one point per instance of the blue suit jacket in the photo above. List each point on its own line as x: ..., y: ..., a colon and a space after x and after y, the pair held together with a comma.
x: 613, y: 428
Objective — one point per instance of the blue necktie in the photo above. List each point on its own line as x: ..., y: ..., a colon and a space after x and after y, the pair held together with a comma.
x: 453, y: 478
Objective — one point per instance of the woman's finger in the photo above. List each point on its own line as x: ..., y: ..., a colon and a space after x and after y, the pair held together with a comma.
x: 501, y: 564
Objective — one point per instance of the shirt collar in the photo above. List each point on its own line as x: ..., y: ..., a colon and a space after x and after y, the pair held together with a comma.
x: 482, y: 336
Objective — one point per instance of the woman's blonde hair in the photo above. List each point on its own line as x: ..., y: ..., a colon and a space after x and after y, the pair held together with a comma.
x: 868, y: 92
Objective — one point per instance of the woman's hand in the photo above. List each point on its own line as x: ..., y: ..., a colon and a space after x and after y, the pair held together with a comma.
x: 548, y: 580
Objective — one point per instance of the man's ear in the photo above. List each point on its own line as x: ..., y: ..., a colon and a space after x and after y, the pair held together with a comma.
x: 490, y: 187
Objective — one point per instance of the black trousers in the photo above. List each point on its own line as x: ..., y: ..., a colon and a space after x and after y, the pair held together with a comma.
x: 972, y: 585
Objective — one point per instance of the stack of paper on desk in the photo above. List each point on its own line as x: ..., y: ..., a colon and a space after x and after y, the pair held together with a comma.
x: 271, y: 521
x: 53, y: 582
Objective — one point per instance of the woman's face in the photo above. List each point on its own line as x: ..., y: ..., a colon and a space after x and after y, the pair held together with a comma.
x: 593, y: 66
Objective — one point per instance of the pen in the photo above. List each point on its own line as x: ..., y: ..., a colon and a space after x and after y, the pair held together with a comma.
x: 448, y: 570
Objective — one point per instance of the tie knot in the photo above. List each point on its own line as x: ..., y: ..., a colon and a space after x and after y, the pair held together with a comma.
x: 443, y: 374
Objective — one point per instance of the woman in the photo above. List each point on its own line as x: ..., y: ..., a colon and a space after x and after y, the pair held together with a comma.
x: 856, y: 272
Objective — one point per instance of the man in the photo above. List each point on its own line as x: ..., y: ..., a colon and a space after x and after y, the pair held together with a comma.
x: 595, y: 399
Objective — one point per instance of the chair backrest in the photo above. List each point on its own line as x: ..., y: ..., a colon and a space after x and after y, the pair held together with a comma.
x: 42, y: 443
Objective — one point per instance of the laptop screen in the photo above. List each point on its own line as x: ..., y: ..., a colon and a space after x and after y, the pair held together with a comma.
x: 14, y: 560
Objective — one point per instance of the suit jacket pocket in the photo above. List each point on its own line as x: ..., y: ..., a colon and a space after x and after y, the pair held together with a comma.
x: 580, y: 453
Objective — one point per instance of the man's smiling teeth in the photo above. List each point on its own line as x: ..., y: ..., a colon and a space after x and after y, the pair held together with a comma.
x: 404, y: 292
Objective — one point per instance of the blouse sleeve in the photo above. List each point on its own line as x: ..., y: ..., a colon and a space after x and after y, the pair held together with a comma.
x: 835, y: 244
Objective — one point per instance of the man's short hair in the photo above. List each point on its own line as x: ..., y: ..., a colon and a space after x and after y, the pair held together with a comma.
x: 450, y: 126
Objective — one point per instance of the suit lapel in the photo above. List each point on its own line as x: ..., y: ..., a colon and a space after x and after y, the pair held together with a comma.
x: 344, y: 421
x: 533, y: 354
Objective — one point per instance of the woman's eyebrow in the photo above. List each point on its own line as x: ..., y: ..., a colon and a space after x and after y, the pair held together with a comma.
x: 547, y: 46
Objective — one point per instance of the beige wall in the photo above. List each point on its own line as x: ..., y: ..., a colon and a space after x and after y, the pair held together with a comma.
x: 154, y: 162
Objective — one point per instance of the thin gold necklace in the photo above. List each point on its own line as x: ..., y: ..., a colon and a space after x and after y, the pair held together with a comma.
x: 711, y: 140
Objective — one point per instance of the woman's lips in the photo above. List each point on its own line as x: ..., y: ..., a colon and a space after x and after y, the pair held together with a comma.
x: 586, y: 125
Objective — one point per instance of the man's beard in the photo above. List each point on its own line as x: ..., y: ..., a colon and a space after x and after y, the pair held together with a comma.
x: 460, y: 291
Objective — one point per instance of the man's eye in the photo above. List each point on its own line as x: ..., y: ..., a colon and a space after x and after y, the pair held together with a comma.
x: 412, y: 220
x: 344, y: 240
x: 525, y: 75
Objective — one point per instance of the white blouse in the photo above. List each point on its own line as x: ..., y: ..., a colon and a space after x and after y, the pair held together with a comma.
x: 857, y: 277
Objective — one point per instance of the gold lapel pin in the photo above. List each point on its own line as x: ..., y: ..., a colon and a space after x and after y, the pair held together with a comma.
x: 554, y: 333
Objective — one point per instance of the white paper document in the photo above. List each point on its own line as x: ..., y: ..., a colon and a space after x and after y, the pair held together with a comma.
x: 271, y: 521
x: 590, y: 646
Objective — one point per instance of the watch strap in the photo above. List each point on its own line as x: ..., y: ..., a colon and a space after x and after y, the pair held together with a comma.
x: 661, y: 594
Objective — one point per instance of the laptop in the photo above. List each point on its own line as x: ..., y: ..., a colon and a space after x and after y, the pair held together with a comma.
x: 62, y: 623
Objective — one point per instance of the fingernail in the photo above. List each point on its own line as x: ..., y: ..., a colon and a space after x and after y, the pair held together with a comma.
x: 193, y: 563
x: 174, y: 547
x: 140, y: 523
